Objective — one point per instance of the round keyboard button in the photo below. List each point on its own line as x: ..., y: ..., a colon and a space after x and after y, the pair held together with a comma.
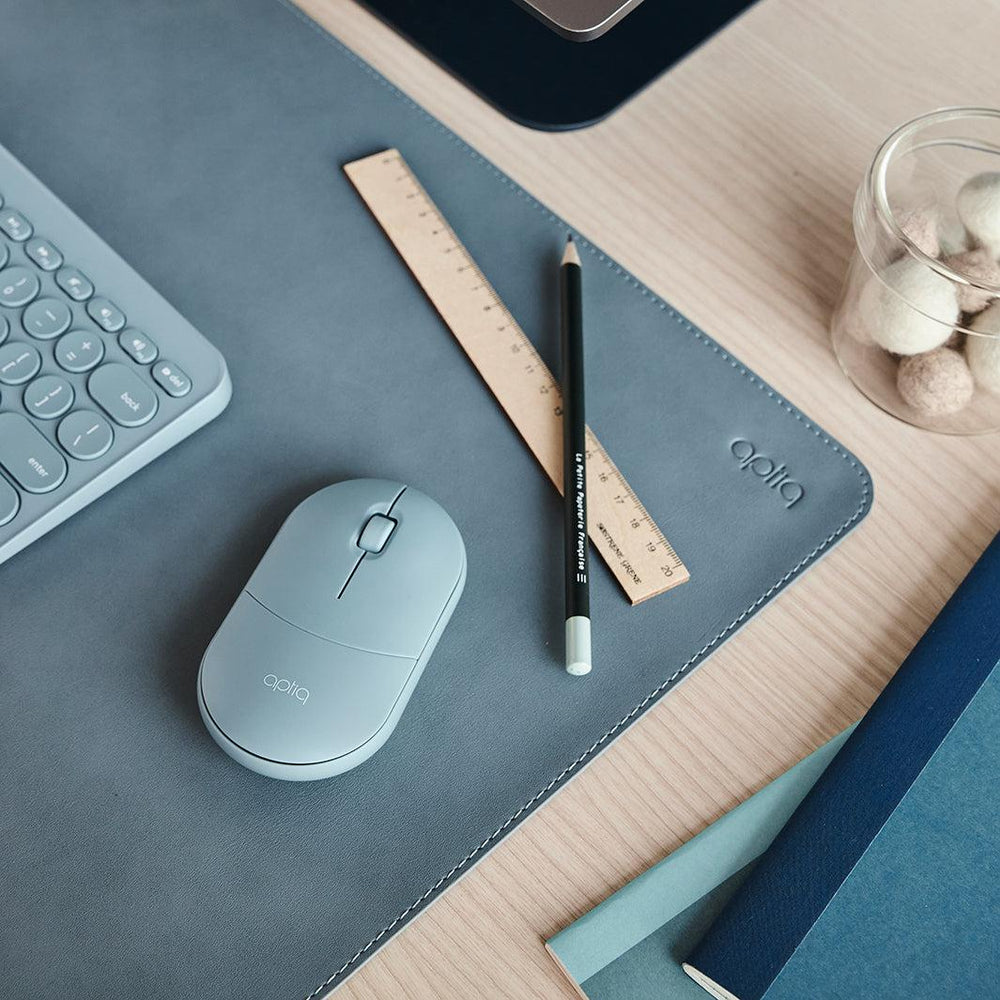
x: 48, y: 397
x: 18, y: 363
x: 79, y: 351
x: 15, y: 225
x: 74, y: 283
x: 138, y: 346
x: 43, y: 253
x: 171, y: 379
x: 122, y: 395
x: 85, y: 435
x: 18, y: 286
x: 106, y: 315
x: 46, y: 318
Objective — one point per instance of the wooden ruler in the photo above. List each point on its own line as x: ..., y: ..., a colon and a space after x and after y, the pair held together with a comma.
x: 628, y: 539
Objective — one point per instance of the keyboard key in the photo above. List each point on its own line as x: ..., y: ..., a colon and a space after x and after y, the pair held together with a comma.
x: 45, y: 254
x: 171, y: 379
x: 9, y: 501
x: 75, y: 284
x: 45, y: 319
x: 48, y: 397
x: 138, y: 346
x: 15, y: 225
x: 106, y: 314
x: 18, y: 363
x: 18, y: 286
x: 122, y: 395
x: 28, y: 458
x: 85, y: 435
x: 79, y: 350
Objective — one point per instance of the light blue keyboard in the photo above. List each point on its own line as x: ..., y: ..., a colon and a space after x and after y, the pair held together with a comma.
x: 99, y: 375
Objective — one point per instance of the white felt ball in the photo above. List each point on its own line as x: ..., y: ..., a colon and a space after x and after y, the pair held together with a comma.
x: 978, y: 206
x: 897, y: 311
x: 983, y: 353
x: 935, y: 383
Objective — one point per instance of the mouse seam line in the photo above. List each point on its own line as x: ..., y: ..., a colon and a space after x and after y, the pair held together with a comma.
x: 323, y: 638
x: 350, y: 576
x: 361, y: 559
x: 396, y: 501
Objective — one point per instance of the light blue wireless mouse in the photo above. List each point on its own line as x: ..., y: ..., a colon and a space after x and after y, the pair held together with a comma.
x: 315, y: 662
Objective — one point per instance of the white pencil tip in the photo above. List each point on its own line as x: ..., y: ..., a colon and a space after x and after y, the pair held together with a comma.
x: 578, y: 646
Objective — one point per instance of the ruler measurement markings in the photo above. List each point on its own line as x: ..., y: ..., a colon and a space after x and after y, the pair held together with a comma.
x: 622, y: 530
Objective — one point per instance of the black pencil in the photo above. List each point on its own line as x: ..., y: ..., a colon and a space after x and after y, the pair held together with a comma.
x: 575, y: 467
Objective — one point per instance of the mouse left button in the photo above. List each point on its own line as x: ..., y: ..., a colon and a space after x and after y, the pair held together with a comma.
x: 315, y: 553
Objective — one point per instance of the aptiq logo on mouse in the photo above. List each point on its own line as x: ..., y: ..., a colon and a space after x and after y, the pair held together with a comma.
x: 774, y: 474
x: 282, y: 685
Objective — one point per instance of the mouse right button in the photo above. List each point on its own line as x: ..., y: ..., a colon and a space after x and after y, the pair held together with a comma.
x: 315, y: 553
x: 397, y: 596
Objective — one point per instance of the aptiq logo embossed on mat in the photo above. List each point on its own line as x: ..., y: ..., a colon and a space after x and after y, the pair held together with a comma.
x: 775, y: 476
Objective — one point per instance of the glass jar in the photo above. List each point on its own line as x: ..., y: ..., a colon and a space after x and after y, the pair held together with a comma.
x: 917, y: 327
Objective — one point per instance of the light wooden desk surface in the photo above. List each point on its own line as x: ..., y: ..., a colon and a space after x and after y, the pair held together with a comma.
x: 726, y: 187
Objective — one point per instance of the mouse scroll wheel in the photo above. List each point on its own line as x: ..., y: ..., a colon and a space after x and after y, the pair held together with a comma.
x: 376, y: 533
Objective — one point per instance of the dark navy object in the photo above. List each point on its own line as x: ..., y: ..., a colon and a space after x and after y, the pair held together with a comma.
x: 855, y: 848
x: 540, y: 79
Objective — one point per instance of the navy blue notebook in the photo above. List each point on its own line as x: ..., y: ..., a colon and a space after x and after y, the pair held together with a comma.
x: 886, y: 881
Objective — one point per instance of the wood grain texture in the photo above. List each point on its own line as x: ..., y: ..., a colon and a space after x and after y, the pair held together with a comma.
x: 514, y: 371
x: 727, y: 187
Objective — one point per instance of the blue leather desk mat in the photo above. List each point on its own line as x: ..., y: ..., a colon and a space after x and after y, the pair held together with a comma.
x: 203, y: 139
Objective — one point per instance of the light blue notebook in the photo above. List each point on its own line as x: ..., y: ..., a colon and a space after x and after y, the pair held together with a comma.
x: 631, y: 945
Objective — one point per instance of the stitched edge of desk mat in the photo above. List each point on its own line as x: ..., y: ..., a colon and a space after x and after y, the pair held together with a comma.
x: 477, y: 853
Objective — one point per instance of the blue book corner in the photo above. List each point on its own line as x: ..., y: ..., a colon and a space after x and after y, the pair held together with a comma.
x: 631, y: 945
x: 886, y: 881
